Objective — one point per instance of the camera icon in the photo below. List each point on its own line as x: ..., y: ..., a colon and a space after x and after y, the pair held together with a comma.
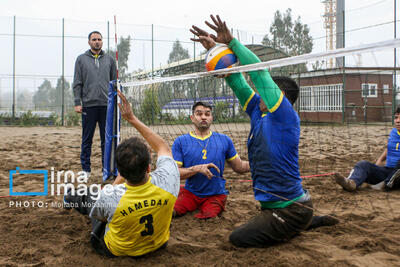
x: 18, y: 171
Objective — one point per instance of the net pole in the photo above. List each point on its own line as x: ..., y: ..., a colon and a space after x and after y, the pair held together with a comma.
x: 116, y: 119
x: 394, y: 90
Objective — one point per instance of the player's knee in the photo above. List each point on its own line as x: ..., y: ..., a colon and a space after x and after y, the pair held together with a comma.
x: 363, y: 163
x: 179, y: 211
x: 236, y: 238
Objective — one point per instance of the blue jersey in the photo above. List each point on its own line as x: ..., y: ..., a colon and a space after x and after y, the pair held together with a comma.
x: 273, y: 150
x: 393, y: 152
x: 189, y: 150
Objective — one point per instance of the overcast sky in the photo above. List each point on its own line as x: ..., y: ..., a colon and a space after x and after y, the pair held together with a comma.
x: 40, y: 54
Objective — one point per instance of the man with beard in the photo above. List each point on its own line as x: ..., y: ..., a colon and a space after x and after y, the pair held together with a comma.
x: 93, y: 71
x: 201, y: 156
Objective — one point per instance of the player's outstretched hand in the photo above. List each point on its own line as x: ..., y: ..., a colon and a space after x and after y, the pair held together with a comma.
x: 125, y: 107
x: 223, y: 33
x: 205, y: 169
x: 203, y: 37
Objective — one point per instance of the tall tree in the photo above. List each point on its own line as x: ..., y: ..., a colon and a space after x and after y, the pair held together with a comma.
x: 178, y: 52
x: 49, y: 98
x: 68, y: 96
x: 124, y: 48
x: 150, y: 109
x: 291, y: 37
x: 42, y: 98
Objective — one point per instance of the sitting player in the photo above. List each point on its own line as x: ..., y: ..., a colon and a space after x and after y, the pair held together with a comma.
x: 378, y: 175
x: 133, y: 218
x: 201, y: 157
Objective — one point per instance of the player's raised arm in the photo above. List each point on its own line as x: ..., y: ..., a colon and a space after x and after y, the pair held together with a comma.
x: 236, y: 81
x: 156, y: 142
x: 266, y: 87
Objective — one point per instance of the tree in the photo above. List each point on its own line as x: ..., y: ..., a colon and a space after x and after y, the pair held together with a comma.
x: 150, y: 109
x: 68, y: 96
x: 50, y: 98
x: 21, y: 100
x: 42, y: 97
x: 291, y: 38
x: 178, y: 52
x: 124, y: 48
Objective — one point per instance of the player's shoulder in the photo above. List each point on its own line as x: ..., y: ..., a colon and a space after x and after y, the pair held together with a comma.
x: 81, y: 56
x: 108, y: 56
x: 394, y: 132
x: 222, y: 138
x: 220, y: 135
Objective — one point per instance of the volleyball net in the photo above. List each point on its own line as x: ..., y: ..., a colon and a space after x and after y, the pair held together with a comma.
x: 362, y: 92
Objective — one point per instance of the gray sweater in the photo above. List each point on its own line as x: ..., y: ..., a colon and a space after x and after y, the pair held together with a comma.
x: 91, y: 78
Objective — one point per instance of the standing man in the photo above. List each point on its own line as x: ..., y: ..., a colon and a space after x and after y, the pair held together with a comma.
x: 93, y: 71
x: 201, y: 157
x: 272, y: 146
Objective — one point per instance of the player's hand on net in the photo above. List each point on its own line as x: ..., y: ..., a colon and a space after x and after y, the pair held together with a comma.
x: 203, y: 37
x: 125, y: 107
x: 224, y: 35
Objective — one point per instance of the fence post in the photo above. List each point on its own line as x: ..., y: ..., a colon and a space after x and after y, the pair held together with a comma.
x: 108, y: 36
x: 152, y: 72
x: 62, y: 78
x: 394, y: 90
x: 13, y: 104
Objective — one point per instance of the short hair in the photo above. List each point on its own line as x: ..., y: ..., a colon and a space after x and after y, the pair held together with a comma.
x: 133, y: 158
x: 90, y: 34
x: 397, y: 110
x: 288, y: 86
x: 199, y: 103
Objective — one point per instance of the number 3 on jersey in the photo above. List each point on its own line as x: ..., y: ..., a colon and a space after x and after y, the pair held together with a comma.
x: 148, y: 220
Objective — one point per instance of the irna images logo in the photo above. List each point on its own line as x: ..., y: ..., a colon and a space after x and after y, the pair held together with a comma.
x: 17, y: 171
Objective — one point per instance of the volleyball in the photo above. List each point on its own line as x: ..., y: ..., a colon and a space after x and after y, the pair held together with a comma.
x: 220, y: 57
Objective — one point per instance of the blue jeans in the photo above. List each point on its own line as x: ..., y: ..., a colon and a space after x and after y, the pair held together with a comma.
x: 367, y: 172
x: 90, y: 117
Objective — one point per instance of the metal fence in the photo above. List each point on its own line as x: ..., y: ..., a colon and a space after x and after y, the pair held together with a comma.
x: 39, y: 54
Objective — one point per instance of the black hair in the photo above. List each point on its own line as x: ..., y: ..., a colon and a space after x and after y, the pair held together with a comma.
x: 133, y: 158
x: 90, y: 34
x: 397, y: 110
x: 288, y: 86
x: 199, y: 103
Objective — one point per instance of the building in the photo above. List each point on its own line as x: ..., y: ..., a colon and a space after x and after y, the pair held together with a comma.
x: 346, y: 95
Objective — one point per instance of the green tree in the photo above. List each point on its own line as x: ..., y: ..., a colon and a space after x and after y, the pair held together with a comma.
x: 293, y: 38
x: 42, y: 97
x: 21, y: 100
x: 178, y: 52
x: 221, y: 111
x: 150, y: 109
x: 124, y: 48
x: 49, y: 98
x: 68, y: 96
